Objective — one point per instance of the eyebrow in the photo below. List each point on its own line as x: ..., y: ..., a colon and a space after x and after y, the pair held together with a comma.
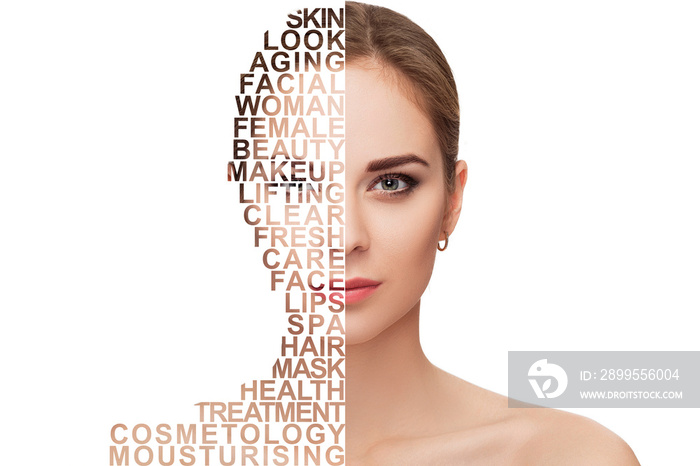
x: 396, y: 161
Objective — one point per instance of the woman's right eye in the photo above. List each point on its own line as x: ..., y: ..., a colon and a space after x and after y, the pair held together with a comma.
x: 295, y: 190
x: 291, y: 187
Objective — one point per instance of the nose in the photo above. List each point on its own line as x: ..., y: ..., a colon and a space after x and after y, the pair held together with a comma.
x: 356, y: 234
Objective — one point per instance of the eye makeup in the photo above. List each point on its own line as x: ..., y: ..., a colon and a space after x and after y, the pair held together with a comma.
x: 393, y: 184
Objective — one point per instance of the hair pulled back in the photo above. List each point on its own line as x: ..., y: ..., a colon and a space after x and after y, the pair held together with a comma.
x: 391, y: 39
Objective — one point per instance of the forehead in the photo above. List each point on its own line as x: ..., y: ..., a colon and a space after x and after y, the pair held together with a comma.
x: 382, y: 118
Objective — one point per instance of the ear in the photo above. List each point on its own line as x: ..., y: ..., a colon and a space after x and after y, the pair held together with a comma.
x: 454, y: 200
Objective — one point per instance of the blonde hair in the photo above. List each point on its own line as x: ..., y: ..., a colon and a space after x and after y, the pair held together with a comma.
x: 391, y: 39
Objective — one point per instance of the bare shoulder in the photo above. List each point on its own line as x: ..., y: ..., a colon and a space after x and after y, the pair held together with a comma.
x: 542, y: 436
x: 479, y: 428
x: 562, y: 438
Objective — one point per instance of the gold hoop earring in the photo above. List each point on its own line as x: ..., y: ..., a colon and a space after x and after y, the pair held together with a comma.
x: 447, y: 240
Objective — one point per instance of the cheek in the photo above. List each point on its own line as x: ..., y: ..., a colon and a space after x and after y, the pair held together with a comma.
x: 403, y: 247
x: 408, y: 234
x: 401, y: 239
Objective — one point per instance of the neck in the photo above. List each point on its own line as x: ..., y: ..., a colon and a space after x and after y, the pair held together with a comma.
x: 389, y: 383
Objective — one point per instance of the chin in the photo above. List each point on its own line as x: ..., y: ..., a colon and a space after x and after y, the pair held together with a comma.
x: 358, y: 330
x: 363, y: 325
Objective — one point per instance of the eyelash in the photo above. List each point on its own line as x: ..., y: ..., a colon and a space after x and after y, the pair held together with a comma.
x: 410, y: 181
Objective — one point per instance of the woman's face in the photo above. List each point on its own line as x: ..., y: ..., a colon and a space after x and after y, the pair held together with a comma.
x: 396, y: 204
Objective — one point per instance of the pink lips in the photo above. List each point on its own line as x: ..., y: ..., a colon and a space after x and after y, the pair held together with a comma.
x: 357, y: 289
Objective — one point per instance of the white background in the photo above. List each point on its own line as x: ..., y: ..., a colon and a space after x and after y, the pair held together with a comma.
x: 127, y: 276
